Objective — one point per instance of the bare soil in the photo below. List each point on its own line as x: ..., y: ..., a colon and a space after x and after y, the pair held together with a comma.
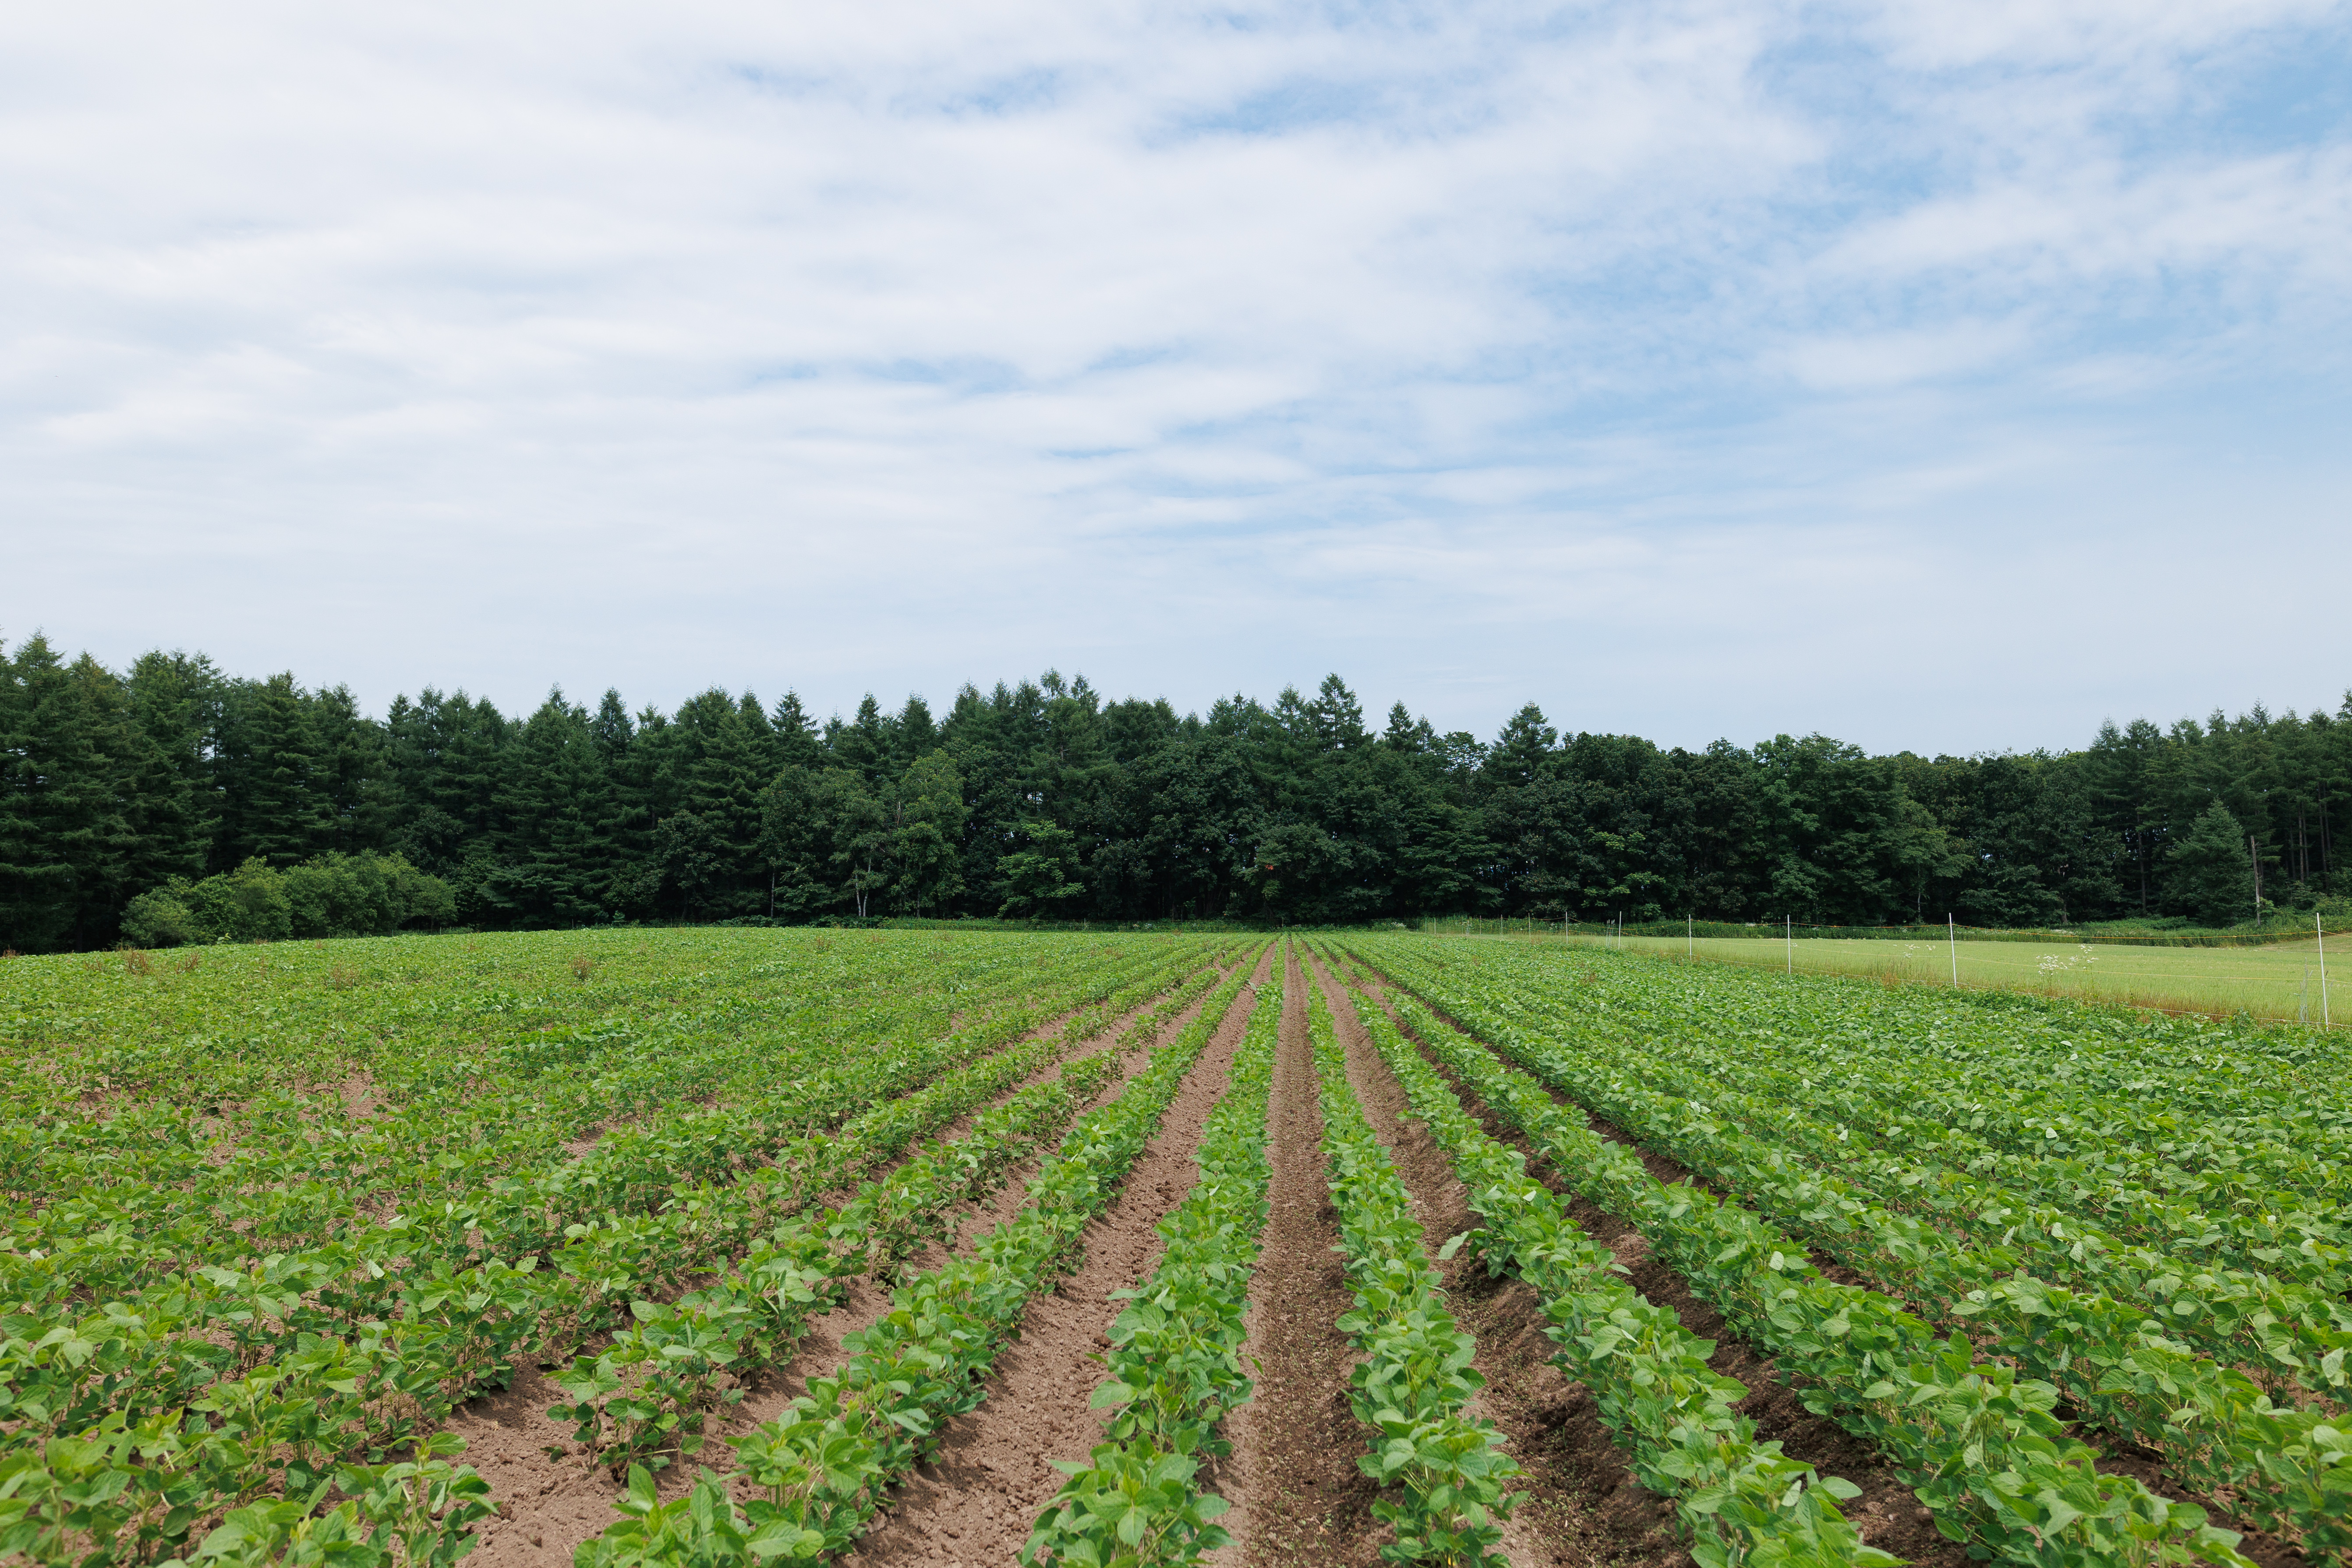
x: 1298, y: 1496
x: 977, y: 1498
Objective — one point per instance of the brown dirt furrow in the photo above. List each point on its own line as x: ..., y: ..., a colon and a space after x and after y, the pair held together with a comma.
x: 1298, y: 1495
x: 548, y: 1505
x: 994, y: 1474
x: 1442, y: 1203
x: 1623, y: 1519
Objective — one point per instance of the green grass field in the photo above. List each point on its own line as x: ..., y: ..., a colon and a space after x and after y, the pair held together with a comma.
x: 2280, y: 982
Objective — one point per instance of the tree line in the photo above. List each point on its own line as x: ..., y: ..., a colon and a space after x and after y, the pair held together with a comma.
x: 1044, y: 799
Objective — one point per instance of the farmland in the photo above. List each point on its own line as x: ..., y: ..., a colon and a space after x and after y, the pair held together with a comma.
x: 762, y: 1245
x: 2279, y: 981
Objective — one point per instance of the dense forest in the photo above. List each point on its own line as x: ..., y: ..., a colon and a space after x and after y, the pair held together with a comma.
x: 1043, y: 799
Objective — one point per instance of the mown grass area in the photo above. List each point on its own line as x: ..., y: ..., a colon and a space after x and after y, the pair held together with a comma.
x: 2280, y: 982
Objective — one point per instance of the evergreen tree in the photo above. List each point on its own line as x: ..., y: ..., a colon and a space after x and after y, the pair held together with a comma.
x: 558, y: 798
x: 2211, y: 870
x: 913, y: 735
x: 864, y: 745
x: 174, y: 703
x: 612, y: 728
x: 65, y: 844
x: 1336, y: 717
x: 927, y: 825
x: 797, y: 745
x: 276, y: 810
x: 349, y: 779
x: 722, y: 788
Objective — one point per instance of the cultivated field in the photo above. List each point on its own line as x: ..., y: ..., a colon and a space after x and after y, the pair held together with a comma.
x: 2278, y: 982
x: 740, y: 1247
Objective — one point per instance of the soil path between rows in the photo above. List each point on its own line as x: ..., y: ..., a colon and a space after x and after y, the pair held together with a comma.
x: 1886, y: 1513
x: 1298, y: 1493
x: 1498, y: 1313
x: 975, y: 1500
x: 549, y: 1504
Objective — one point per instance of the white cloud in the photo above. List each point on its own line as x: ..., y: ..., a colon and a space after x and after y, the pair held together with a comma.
x: 1896, y: 358
x: 898, y: 344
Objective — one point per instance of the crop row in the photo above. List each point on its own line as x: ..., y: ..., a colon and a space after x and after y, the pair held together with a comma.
x: 2283, y: 1467
x: 2285, y: 1333
x: 2223, y: 1119
x: 1740, y: 1500
x: 2289, y: 1274
x: 1176, y: 1361
x: 516, y: 1216
x: 1982, y: 1444
x: 824, y: 1467
x: 642, y: 1399
x: 1415, y: 1380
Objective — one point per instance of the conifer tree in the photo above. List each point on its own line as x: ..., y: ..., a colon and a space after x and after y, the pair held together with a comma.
x: 65, y: 844
x: 2211, y: 870
x: 275, y: 808
x: 174, y: 702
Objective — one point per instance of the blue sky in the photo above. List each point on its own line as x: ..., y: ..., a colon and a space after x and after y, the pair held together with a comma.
x: 1935, y: 376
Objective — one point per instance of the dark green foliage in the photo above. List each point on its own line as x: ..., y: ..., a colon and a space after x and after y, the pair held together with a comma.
x: 1040, y: 799
x: 365, y: 894
x: 1035, y: 879
x: 2211, y: 870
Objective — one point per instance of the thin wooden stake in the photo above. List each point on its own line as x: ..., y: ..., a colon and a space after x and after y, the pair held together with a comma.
x: 2321, y: 930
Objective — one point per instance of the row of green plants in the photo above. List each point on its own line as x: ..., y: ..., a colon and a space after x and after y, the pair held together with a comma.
x: 2276, y: 1140
x: 2274, y: 929
x: 1741, y: 1500
x: 2291, y: 1334
x: 821, y: 1471
x: 645, y: 1398
x: 2287, y: 1470
x: 415, y: 1511
x: 2211, y: 1150
x: 492, y: 1102
x: 1445, y: 1473
x: 1984, y: 1446
x: 779, y: 1133
x: 489, y: 1092
x: 299, y: 1386
x: 2280, y: 1313
x: 1176, y: 1363
x: 2275, y: 1156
